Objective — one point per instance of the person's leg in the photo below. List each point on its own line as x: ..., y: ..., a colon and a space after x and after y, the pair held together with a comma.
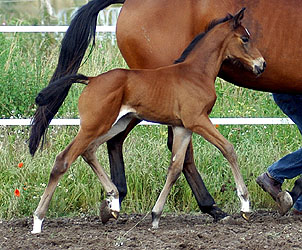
x: 287, y: 167
x: 290, y: 165
x: 298, y: 205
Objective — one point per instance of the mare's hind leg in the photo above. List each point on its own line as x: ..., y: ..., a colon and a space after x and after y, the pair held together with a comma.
x: 61, y: 165
x: 181, y: 140
x: 204, y: 200
x: 205, y: 128
x: 115, y: 152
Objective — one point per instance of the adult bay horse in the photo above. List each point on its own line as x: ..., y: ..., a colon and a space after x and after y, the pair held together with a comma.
x: 152, y: 33
x: 181, y: 95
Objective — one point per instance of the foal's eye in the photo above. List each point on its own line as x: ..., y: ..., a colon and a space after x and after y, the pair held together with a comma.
x: 245, y: 39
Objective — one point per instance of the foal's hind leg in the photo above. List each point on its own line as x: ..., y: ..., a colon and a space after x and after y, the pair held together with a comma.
x: 62, y: 163
x: 205, y: 128
x: 204, y: 200
x: 111, y: 207
x: 181, y: 140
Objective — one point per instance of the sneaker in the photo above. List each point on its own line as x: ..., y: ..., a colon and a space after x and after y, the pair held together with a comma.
x: 268, y: 184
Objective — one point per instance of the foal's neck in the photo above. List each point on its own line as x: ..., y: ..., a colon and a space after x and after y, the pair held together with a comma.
x: 206, y: 58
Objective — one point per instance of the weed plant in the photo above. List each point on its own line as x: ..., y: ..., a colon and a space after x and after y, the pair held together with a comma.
x: 26, y: 64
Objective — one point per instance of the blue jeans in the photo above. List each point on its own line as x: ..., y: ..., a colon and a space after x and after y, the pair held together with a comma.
x: 290, y: 165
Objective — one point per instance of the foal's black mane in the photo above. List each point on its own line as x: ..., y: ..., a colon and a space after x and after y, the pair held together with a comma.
x: 191, y: 46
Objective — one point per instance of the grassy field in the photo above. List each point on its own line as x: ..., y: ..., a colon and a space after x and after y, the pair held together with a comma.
x: 27, y: 62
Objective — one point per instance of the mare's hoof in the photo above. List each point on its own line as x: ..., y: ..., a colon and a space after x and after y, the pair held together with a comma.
x: 217, y: 213
x: 284, y: 201
x: 106, y: 213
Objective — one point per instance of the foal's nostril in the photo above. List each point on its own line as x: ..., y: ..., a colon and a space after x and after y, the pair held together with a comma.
x: 259, y: 70
x: 264, y: 65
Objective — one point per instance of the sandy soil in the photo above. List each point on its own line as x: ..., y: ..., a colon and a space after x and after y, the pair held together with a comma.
x: 265, y: 230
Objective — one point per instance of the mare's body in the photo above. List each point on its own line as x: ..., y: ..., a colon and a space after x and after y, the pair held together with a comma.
x: 275, y: 27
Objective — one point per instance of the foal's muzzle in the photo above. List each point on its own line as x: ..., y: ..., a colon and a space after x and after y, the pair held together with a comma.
x: 259, y: 66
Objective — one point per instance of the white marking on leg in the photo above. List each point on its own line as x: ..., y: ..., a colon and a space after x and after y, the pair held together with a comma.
x: 113, y: 203
x: 245, y: 205
x: 37, y: 227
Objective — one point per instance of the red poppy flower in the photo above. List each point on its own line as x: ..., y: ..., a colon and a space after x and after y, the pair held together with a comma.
x: 20, y: 165
x: 17, y: 192
x: 216, y: 126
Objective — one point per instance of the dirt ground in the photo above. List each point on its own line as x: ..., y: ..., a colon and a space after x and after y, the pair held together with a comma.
x: 265, y: 230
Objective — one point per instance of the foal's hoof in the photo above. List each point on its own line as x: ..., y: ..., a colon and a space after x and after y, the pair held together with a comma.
x: 246, y: 215
x: 284, y: 201
x: 106, y: 213
x: 155, y: 220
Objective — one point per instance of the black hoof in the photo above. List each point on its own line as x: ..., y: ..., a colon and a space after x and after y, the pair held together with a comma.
x: 216, y: 213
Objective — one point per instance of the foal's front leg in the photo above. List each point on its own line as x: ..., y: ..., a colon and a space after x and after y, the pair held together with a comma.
x: 181, y: 140
x: 204, y: 127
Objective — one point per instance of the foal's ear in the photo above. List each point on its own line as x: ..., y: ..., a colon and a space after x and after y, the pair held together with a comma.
x: 238, y: 17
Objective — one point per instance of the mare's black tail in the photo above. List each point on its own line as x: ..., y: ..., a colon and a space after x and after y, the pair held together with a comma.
x: 74, y: 45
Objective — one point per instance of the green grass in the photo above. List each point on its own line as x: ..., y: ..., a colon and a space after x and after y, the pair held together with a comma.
x: 27, y: 62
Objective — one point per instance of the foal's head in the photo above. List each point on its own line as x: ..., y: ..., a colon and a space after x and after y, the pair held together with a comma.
x: 239, y: 47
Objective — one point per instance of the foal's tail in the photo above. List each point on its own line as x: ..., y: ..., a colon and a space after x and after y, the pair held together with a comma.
x: 51, y: 96
x: 74, y: 45
x: 55, y: 89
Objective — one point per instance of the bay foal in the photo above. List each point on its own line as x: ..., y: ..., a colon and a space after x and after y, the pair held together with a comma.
x: 181, y: 95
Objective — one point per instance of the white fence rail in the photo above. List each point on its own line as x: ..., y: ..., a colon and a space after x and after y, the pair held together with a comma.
x: 41, y: 29
x: 216, y: 121
x: 71, y: 122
